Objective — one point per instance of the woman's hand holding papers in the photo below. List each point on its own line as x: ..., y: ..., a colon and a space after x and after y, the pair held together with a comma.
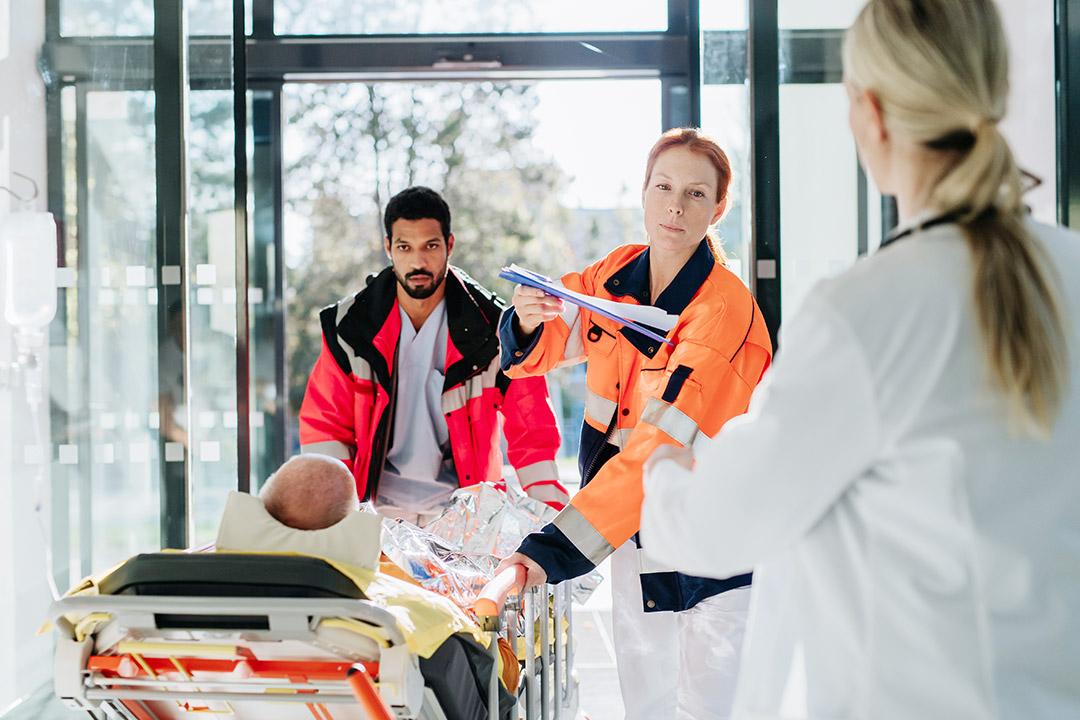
x: 534, y: 307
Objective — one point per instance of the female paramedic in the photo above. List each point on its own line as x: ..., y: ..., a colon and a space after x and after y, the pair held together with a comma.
x: 677, y: 637
x: 906, y: 482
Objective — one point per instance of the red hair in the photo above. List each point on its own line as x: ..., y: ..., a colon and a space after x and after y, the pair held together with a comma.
x: 696, y: 142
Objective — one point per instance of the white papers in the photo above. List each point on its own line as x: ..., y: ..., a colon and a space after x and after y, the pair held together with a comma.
x: 642, y: 314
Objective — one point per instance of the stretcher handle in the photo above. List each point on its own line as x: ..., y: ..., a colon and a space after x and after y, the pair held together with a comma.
x: 366, y: 694
x: 509, y: 582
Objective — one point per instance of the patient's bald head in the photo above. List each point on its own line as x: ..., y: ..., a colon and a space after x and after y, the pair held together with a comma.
x: 310, y: 492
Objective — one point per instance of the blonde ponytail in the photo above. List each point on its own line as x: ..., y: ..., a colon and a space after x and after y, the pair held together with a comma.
x: 940, y: 71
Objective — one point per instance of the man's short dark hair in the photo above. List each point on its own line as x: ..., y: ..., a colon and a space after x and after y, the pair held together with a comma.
x: 417, y: 203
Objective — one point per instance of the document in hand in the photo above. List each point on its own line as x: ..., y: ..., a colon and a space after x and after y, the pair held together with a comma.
x: 636, y: 317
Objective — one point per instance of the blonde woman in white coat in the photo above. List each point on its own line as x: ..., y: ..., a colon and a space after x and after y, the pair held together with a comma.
x: 906, y: 484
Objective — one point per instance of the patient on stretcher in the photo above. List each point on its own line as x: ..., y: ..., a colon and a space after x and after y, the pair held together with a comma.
x: 316, y: 494
x: 310, y: 492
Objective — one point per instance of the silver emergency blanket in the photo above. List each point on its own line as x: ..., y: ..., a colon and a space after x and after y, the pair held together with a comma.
x: 457, y: 553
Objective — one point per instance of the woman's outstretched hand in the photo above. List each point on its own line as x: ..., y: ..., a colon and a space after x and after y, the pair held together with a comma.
x: 534, y: 307
x: 535, y: 574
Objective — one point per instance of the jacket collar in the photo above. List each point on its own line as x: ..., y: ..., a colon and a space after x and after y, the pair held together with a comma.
x: 632, y: 280
x: 371, y: 329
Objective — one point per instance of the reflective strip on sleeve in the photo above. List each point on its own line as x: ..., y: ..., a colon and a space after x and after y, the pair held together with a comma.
x: 333, y: 448
x: 680, y: 426
x: 454, y: 399
x: 574, y: 352
x: 547, y: 492
x: 599, y: 408
x: 582, y: 534
x: 543, y: 470
x: 621, y: 437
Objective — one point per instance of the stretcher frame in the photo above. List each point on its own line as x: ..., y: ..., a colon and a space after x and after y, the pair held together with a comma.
x: 119, y: 685
x: 548, y: 689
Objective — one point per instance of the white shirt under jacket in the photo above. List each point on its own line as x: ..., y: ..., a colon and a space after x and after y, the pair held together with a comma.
x: 912, y: 558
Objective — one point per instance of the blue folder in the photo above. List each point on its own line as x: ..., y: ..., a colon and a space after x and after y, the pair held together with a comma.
x: 546, y: 284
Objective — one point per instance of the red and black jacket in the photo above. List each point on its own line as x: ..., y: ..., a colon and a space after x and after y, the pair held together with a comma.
x: 348, y: 408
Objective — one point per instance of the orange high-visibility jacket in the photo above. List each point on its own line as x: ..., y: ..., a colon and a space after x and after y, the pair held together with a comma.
x: 348, y: 407
x: 642, y: 394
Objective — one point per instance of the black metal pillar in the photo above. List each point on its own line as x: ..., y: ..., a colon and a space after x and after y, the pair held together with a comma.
x: 680, y: 87
x: 764, y: 73
x: 82, y: 204
x: 267, y: 274
x: 170, y: 128
x: 1067, y: 18
x: 262, y: 18
x: 240, y: 188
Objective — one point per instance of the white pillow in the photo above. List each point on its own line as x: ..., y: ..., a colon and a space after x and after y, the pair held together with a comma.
x: 246, y: 526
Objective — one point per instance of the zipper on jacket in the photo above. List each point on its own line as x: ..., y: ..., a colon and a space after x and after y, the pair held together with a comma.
x: 591, y: 467
x: 587, y: 477
x: 382, y: 437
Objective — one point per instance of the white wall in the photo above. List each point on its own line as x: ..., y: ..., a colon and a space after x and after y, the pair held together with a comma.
x: 24, y: 658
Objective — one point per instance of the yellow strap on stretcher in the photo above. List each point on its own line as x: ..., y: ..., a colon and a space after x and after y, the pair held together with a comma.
x: 360, y: 628
x: 88, y: 625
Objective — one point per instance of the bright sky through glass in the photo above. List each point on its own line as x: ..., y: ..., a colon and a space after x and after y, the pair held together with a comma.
x: 599, y: 132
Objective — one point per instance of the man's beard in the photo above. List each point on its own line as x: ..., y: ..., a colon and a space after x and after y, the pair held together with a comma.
x: 420, y: 293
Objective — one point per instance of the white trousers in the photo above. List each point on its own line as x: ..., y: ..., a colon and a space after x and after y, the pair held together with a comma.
x: 675, y: 665
x: 419, y: 519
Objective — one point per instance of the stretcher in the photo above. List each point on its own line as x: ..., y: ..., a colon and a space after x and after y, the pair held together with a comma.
x: 221, y: 635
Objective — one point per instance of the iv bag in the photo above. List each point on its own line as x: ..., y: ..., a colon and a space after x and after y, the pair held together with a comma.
x: 28, y: 240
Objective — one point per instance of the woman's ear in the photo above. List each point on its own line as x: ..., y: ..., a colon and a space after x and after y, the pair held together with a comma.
x: 721, y: 208
x: 876, y: 115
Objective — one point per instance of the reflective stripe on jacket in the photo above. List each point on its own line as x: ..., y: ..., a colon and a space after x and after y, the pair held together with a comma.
x: 641, y: 394
x: 348, y: 406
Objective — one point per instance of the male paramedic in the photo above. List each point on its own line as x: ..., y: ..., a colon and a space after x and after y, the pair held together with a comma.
x: 407, y: 389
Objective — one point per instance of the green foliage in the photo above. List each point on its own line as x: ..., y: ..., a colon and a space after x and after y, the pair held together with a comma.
x: 352, y: 146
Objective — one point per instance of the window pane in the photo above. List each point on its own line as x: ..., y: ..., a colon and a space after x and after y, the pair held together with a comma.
x: 467, y: 16
x: 830, y: 213
x: 106, y: 17
x: 211, y: 263
x: 527, y: 181
x: 803, y: 15
x: 136, y: 17
x: 724, y: 15
x: 725, y: 115
x: 122, y: 385
x: 1031, y: 123
x: 818, y: 189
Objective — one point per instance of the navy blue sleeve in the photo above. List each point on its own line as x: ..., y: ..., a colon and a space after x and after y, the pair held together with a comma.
x: 554, y: 552
x: 513, y: 353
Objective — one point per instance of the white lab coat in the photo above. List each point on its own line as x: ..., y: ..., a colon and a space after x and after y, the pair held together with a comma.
x: 912, y: 558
